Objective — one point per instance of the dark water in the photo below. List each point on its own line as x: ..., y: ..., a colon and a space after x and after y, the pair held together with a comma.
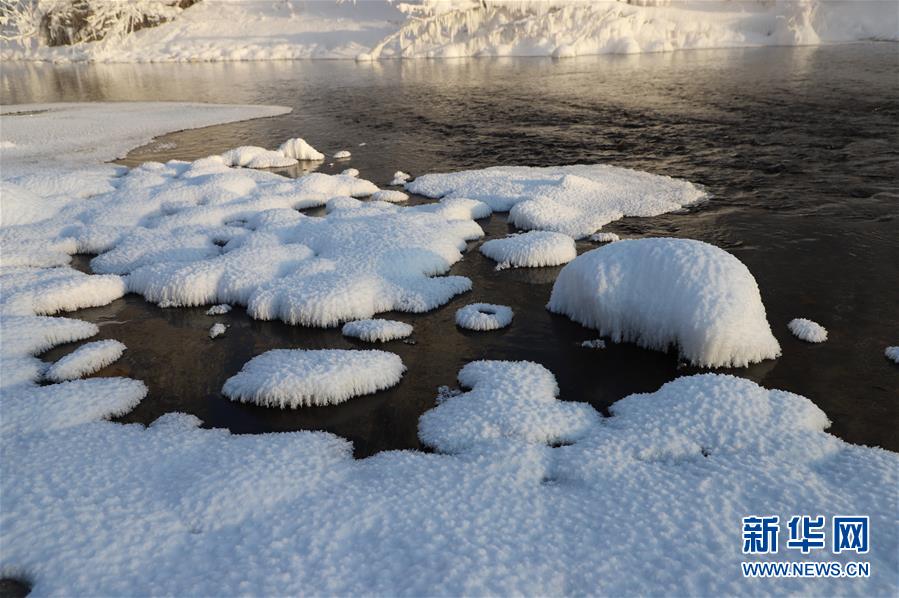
x: 800, y: 147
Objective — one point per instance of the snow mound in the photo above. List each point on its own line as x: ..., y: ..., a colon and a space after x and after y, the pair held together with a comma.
x: 291, y: 378
x: 574, y: 200
x: 218, y: 310
x: 351, y: 172
x: 85, y: 360
x: 531, y: 250
x: 298, y: 149
x: 33, y: 291
x: 377, y: 330
x: 596, y: 343
x: 807, y: 330
x: 342, y: 154
x: 604, y: 237
x: 400, y: 178
x: 484, y: 316
x: 892, y: 353
x: 249, y: 156
x: 663, y: 292
x: 390, y: 196
x: 217, y: 330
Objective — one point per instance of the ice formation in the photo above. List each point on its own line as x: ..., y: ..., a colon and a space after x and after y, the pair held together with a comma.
x: 807, y: 330
x: 342, y: 154
x: 663, y: 292
x: 217, y: 330
x: 291, y: 378
x: 377, y: 330
x: 298, y: 149
x: 604, y: 237
x: 574, y: 200
x: 85, y: 360
x: 596, y: 343
x: 531, y: 250
x: 390, y: 196
x: 484, y: 316
x: 218, y: 310
x: 256, y: 157
x: 892, y: 353
x: 400, y: 178
x: 351, y: 172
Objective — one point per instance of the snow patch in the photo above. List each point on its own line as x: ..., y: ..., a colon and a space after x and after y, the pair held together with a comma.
x: 400, y: 178
x: 298, y: 149
x: 342, y: 154
x: 531, y: 250
x: 484, y: 316
x: 377, y: 330
x: 604, y: 237
x: 892, y: 353
x: 85, y: 360
x: 218, y: 310
x: 217, y: 330
x: 390, y: 196
x: 596, y: 343
x: 808, y: 330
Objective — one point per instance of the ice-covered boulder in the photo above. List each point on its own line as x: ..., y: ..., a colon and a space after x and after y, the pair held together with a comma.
x: 298, y: 149
x: 291, y: 378
x: 531, y: 250
x: 663, y: 292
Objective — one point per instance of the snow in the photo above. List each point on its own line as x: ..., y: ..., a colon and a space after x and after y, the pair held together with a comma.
x: 604, y: 237
x: 574, y: 200
x: 531, y: 250
x: 342, y: 154
x: 808, y: 330
x: 256, y: 157
x: 298, y: 149
x: 85, y: 360
x: 390, y: 196
x: 484, y: 316
x: 218, y: 310
x: 224, y: 30
x: 400, y: 178
x: 377, y: 330
x: 292, y: 378
x: 217, y: 330
x: 596, y: 343
x: 351, y: 172
x: 892, y: 353
x: 662, y: 292
x: 90, y: 133
x: 177, y: 509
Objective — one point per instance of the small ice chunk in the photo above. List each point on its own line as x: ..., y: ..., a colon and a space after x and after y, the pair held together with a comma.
x: 807, y: 330
x: 892, y: 353
x: 377, y: 330
x: 390, y: 196
x: 218, y: 310
x: 249, y: 156
x: 531, y: 250
x: 400, y: 177
x: 85, y: 360
x: 217, y: 330
x: 484, y: 316
x: 342, y: 154
x: 298, y: 149
x: 351, y: 172
x: 291, y: 378
x: 604, y: 237
x: 596, y: 343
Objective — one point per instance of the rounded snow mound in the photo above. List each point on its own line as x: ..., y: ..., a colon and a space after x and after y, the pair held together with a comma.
x: 662, y: 292
x: 342, y: 154
x: 377, y: 330
x: 291, y: 378
x: 390, y: 196
x: 85, y: 360
x: 531, y: 250
x: 249, y: 156
x: 484, y: 316
x: 808, y: 330
x: 892, y: 353
x: 604, y: 237
x: 298, y: 149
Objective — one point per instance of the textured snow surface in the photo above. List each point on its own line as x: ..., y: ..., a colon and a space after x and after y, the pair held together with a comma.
x: 663, y: 292
x: 218, y: 310
x: 217, y: 30
x: 400, y: 178
x: 390, y: 196
x: 377, y: 330
x: 596, y: 343
x: 249, y: 156
x: 484, y: 316
x: 604, y: 237
x: 892, y: 353
x: 217, y: 329
x: 531, y: 250
x: 85, y: 360
x: 574, y: 200
x: 291, y: 378
x: 177, y: 509
x: 807, y: 330
x: 298, y: 149
x: 342, y: 154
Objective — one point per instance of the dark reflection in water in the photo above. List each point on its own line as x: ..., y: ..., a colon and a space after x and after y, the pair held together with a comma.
x: 800, y: 147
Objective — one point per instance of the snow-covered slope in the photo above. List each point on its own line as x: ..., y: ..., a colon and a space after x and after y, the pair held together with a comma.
x: 219, y: 30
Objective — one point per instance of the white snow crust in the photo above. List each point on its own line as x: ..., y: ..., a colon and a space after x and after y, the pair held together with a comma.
x: 85, y: 360
x: 663, y: 292
x: 298, y: 149
x: 574, y: 200
x: 807, y: 330
x: 292, y: 378
x: 484, y: 316
x: 602, y: 237
x: 342, y: 154
x: 377, y: 330
x: 892, y: 353
x: 533, y: 249
x: 390, y: 196
x: 218, y: 310
x: 217, y: 329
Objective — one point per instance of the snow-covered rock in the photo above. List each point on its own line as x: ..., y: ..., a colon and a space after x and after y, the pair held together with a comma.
x: 291, y: 378
x: 298, y: 149
x: 377, y: 330
x: 218, y: 310
x: 574, y: 200
x: 663, y: 292
x: 602, y: 237
x: 256, y: 157
x: 400, y: 178
x: 85, y: 360
x: 808, y: 330
x: 892, y: 353
x: 390, y: 196
x: 531, y: 250
x: 484, y: 316
x: 351, y: 172
x: 342, y: 154
x: 217, y: 330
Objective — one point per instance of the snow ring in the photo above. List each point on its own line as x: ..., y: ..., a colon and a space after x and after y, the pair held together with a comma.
x: 291, y: 378
x: 484, y: 316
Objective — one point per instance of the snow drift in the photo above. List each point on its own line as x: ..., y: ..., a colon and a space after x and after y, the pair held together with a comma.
x: 663, y: 292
